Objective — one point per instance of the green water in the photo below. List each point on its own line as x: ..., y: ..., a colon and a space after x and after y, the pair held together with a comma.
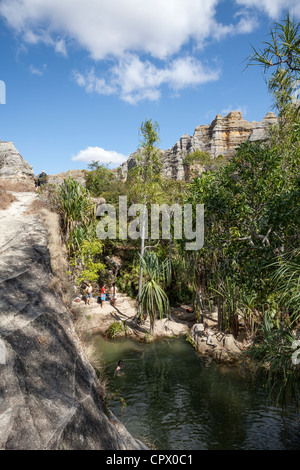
x: 177, y: 400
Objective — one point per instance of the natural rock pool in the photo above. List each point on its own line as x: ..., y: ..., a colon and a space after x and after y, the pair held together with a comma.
x: 178, y: 400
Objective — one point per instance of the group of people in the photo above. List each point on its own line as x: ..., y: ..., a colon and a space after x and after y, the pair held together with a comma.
x: 102, y: 298
x: 88, y: 296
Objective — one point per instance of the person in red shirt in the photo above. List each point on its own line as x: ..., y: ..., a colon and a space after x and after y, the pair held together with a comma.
x: 103, y: 295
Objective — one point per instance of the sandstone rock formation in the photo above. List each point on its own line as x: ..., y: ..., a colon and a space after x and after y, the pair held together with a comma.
x: 221, y: 137
x: 77, y: 175
x: 50, y: 397
x: 12, y: 165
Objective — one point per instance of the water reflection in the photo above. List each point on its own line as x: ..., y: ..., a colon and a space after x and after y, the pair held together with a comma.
x: 177, y: 400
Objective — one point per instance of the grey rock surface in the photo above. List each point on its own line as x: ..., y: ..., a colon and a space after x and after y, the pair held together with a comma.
x: 12, y: 165
x: 50, y: 397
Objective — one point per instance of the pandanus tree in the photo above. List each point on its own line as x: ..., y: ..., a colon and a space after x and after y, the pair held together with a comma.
x: 75, y: 206
x: 146, y: 185
x: 154, y: 301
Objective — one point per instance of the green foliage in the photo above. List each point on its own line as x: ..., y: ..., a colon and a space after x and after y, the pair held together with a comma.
x: 195, y: 159
x: 74, y: 204
x: 128, y: 279
x: 86, y: 263
x: 251, y: 213
x: 116, y: 328
x: 149, y: 159
x: 154, y: 301
x: 189, y: 339
x: 103, y: 182
x: 272, y: 357
x: 282, y: 51
x: 286, y: 279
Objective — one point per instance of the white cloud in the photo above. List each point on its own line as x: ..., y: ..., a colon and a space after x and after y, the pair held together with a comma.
x: 273, y: 8
x: 241, y: 109
x: 38, y: 70
x: 92, y: 83
x: 159, y: 27
x: 131, y: 36
x: 135, y: 80
x: 60, y: 47
x: 98, y: 154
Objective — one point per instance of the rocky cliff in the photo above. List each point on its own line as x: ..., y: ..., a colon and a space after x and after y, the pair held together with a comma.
x: 221, y: 137
x: 50, y: 396
x: 12, y: 165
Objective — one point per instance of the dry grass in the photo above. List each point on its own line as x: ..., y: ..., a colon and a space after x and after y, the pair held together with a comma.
x: 60, y: 284
x: 58, y: 256
x: 96, y: 360
x: 36, y: 206
x: 18, y: 187
x: 6, y: 199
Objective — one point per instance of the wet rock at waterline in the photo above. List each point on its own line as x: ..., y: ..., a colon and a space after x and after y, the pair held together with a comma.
x: 210, y: 342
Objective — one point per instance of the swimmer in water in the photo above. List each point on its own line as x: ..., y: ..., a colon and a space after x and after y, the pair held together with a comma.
x: 119, y: 368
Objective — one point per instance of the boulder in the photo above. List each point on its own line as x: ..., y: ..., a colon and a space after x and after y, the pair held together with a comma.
x: 12, y: 165
x: 211, y: 342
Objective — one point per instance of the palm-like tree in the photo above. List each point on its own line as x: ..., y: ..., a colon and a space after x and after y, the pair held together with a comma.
x: 154, y: 301
x: 287, y: 282
x: 75, y: 205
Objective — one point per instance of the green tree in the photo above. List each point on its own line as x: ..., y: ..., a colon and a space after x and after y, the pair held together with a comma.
x: 147, y: 179
x: 103, y: 182
x: 250, y: 217
x: 153, y: 299
x: 280, y: 57
x: 75, y: 205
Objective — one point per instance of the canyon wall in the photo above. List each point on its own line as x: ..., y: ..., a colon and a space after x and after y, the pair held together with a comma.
x: 221, y: 137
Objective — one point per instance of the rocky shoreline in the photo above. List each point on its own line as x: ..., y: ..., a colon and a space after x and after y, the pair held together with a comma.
x: 120, y: 320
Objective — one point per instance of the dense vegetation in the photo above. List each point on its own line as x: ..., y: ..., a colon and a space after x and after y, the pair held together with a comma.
x: 249, y: 265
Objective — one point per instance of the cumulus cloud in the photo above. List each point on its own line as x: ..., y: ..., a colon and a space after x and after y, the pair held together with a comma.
x: 272, y: 8
x: 136, y: 80
x: 121, y: 33
x: 138, y: 42
x: 158, y: 27
x: 98, y: 154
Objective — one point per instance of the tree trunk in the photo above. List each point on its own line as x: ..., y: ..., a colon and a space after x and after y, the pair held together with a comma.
x: 142, y: 255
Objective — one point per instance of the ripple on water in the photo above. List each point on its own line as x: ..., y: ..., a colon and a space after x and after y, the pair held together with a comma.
x: 180, y: 402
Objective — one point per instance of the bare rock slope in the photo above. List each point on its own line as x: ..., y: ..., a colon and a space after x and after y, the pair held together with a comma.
x: 12, y: 165
x: 50, y: 397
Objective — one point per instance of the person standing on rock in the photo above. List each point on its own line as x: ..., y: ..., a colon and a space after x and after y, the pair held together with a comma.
x: 42, y: 179
x: 88, y: 293
x: 103, y: 296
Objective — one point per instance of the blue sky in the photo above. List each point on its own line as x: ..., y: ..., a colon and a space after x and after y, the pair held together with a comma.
x: 81, y: 76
